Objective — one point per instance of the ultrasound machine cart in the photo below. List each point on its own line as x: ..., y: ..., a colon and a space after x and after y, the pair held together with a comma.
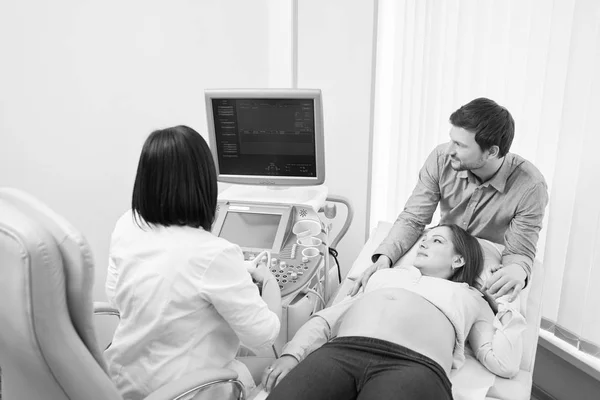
x: 269, y: 144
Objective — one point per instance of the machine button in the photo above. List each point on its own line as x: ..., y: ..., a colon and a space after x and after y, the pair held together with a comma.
x: 304, y: 259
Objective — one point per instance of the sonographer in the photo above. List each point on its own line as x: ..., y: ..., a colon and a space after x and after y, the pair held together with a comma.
x: 185, y: 297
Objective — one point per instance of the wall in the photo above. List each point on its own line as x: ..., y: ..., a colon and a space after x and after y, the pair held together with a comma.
x: 335, y: 52
x: 82, y: 83
x: 555, y: 378
x: 88, y: 81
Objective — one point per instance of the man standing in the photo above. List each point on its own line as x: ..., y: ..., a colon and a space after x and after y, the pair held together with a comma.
x: 480, y: 186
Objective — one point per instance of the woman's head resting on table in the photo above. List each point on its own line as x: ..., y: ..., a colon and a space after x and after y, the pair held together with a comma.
x: 450, y: 252
x: 176, y: 180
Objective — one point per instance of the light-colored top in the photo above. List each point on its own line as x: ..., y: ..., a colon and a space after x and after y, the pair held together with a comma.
x: 185, y: 301
x: 495, y: 340
x: 507, y: 209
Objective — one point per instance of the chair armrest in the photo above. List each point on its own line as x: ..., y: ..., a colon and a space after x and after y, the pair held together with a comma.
x: 197, y: 380
x: 103, y: 308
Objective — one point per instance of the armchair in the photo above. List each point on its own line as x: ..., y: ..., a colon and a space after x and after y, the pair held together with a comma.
x: 48, y: 345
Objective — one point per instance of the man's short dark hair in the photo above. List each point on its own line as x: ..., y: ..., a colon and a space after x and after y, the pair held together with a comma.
x: 492, y: 124
x: 176, y: 180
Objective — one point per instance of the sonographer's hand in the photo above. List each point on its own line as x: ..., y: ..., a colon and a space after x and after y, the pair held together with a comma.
x: 261, y: 273
x: 381, y: 263
x: 277, y: 371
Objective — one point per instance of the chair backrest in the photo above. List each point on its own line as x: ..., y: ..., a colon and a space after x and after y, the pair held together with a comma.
x: 47, y: 342
x: 77, y: 260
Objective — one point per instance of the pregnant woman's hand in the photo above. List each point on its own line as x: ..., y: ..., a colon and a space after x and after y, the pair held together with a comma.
x: 277, y: 371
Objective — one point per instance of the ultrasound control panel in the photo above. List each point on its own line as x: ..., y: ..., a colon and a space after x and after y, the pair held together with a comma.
x: 292, y: 234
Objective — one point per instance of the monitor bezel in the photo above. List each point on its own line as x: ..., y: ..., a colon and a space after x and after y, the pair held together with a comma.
x: 269, y: 180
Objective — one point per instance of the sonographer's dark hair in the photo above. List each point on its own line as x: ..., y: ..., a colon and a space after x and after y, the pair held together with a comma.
x: 176, y: 180
x: 492, y: 124
x: 469, y: 248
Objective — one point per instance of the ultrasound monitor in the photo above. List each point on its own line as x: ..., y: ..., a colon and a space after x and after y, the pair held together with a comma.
x: 271, y: 137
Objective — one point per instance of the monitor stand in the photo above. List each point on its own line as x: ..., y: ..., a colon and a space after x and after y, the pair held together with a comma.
x: 312, y: 196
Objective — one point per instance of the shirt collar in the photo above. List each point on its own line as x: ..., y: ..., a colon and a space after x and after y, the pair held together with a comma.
x: 462, y: 174
x: 498, y: 181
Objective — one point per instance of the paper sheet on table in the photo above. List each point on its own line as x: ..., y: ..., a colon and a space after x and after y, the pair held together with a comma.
x: 260, y: 395
x: 472, y: 381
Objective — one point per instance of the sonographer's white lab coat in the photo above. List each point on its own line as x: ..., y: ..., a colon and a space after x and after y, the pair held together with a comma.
x: 185, y: 301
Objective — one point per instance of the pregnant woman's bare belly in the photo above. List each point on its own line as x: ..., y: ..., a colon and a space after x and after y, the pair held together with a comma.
x: 405, y: 318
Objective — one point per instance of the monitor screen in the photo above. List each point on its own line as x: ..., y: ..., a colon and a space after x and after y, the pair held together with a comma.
x: 267, y: 137
x: 250, y: 230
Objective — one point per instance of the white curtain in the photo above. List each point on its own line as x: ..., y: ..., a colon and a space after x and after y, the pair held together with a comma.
x: 541, y: 60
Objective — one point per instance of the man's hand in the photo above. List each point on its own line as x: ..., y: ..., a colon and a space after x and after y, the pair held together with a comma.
x: 505, y: 279
x: 381, y: 263
x: 277, y: 371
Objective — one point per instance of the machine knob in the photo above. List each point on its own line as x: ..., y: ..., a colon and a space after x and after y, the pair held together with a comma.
x: 304, y: 259
x: 293, y: 275
x: 282, y: 265
x: 273, y: 261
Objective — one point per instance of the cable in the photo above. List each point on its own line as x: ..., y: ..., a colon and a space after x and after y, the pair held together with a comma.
x: 319, y: 296
x: 334, y: 253
x: 261, y: 255
x: 253, y: 264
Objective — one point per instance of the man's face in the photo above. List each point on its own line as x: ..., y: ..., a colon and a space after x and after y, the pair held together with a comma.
x: 464, y: 152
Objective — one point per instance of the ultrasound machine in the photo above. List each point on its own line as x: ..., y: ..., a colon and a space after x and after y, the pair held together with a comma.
x: 268, y: 145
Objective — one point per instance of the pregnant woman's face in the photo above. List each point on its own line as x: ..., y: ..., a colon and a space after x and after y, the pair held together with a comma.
x: 436, y: 253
